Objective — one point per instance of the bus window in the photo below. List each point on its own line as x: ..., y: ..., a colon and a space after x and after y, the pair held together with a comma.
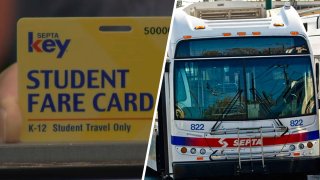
x: 279, y: 88
x: 212, y: 86
x: 182, y: 96
x: 244, y: 46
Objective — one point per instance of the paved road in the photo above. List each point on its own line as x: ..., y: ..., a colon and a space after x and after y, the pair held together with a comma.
x: 152, y: 175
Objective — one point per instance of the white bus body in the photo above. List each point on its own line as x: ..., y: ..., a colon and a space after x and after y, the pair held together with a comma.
x: 238, y: 96
x: 312, y: 24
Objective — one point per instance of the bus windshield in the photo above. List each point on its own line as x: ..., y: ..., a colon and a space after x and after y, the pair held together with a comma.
x: 246, y: 88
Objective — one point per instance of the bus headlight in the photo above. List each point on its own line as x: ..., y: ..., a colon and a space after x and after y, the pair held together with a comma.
x: 292, y: 147
x: 202, y: 151
x: 193, y: 150
x: 301, y: 146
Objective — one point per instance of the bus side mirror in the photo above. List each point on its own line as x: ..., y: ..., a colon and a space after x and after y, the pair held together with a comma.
x: 318, y: 22
x: 317, y: 82
x: 317, y: 76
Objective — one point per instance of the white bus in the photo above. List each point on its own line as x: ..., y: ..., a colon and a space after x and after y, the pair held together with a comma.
x: 238, y: 97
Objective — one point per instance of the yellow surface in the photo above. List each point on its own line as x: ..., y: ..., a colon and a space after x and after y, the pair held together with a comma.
x: 139, y: 51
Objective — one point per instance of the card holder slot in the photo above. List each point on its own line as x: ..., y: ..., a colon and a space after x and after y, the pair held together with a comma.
x: 105, y: 28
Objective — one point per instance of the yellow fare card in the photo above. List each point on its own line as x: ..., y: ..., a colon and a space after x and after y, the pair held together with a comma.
x: 89, y: 79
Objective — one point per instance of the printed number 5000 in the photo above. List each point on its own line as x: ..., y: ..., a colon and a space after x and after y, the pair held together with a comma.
x: 156, y: 30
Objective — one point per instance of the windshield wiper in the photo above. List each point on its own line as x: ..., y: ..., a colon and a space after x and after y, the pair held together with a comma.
x: 266, y: 105
x: 227, y: 109
x: 262, y: 100
x: 231, y: 104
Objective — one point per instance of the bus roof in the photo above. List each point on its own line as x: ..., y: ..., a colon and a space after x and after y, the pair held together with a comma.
x: 226, y: 10
x: 282, y: 23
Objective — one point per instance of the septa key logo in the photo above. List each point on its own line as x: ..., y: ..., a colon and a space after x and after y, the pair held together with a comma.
x: 47, y: 42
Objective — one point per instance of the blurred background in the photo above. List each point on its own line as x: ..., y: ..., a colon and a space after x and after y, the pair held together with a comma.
x: 12, y: 10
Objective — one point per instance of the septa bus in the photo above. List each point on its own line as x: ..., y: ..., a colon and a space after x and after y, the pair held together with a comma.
x: 238, y: 97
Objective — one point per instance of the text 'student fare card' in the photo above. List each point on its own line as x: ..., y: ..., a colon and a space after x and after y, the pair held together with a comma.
x: 89, y: 79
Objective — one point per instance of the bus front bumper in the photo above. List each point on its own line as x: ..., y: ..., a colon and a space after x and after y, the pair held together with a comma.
x: 283, y: 165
